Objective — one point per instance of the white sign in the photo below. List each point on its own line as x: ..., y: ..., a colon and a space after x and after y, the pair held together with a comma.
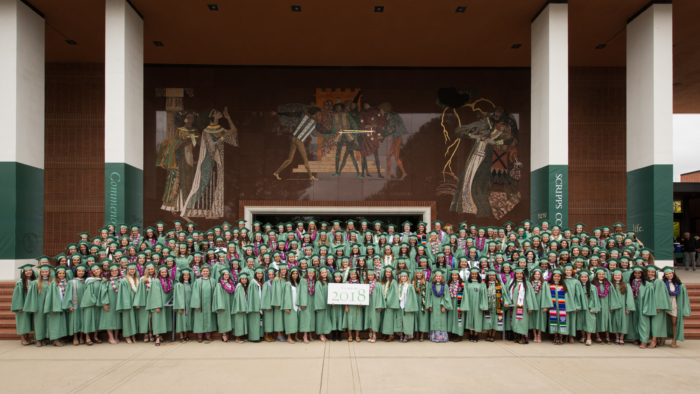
x: 348, y: 294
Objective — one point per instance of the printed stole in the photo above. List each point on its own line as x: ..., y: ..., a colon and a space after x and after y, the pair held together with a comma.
x: 557, y: 314
x: 499, y: 305
x: 460, y: 294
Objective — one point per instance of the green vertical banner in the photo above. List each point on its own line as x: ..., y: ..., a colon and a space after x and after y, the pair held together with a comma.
x: 21, y: 211
x: 123, y: 194
x: 549, y: 195
x: 650, y: 208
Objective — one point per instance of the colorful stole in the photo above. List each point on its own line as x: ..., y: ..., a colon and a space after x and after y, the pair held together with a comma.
x: 557, y: 315
x: 460, y: 294
x: 495, y: 297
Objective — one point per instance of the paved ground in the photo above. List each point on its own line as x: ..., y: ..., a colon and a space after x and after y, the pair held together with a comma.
x: 339, y: 367
x: 689, y: 276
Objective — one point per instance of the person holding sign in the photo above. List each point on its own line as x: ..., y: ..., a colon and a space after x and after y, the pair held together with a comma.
x: 408, y: 307
x: 391, y: 300
x: 438, y: 303
x: 354, y: 314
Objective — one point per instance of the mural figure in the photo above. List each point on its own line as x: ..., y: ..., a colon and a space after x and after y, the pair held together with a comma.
x: 371, y: 118
x: 342, y: 120
x: 175, y: 156
x: 207, y: 193
x: 394, y: 131
x: 303, y: 118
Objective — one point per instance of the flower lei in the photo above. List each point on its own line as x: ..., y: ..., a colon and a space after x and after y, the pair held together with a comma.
x: 114, y: 287
x: 668, y: 287
x: 372, y: 283
x: 402, y: 291
x: 166, y: 284
x: 454, y: 287
x: 148, y: 283
x: 196, y: 271
x: 227, y: 285
x: 440, y: 293
x: 605, y: 293
x: 62, y: 286
x: 636, y: 284
x: 538, y: 286
x: 311, y: 286
x: 354, y: 281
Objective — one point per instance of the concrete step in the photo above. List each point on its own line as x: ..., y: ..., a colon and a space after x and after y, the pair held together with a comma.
x: 5, y: 306
x: 5, y: 323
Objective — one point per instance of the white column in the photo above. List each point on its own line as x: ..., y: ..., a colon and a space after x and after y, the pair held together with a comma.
x: 650, y: 128
x: 550, y: 115
x: 123, y: 114
x: 22, y: 136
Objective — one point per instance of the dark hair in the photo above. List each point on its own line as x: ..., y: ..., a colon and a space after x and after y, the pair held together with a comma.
x: 676, y: 280
x: 26, y: 281
x: 478, y: 278
x: 597, y: 282
x: 562, y: 282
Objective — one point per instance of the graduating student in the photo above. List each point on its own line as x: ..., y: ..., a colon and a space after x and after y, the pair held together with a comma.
x: 34, y: 303
x: 55, y: 306
x: 75, y: 292
x: 254, y: 305
x: 590, y: 307
x: 373, y: 311
x: 562, y: 306
x: 290, y: 306
x: 680, y: 306
x: 523, y: 301
x: 266, y: 304
x: 202, y: 299
x: 278, y: 287
x: 354, y: 314
x: 391, y: 302
x: 182, y: 296
x: 143, y: 314
x: 307, y: 303
x: 23, y: 319
x: 159, y: 297
x: 128, y: 287
x: 337, y: 313
x: 498, y: 301
x: 239, y: 307
x: 110, y: 318
x: 323, y: 323
x: 407, y: 307
x: 457, y: 316
x: 608, y: 303
x: 90, y: 305
x: 223, y: 302
x: 620, y: 319
x: 439, y: 302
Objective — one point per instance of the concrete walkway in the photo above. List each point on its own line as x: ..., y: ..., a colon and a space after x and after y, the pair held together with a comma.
x: 339, y: 367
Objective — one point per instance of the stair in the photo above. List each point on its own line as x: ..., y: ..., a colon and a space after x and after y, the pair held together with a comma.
x: 327, y: 164
x: 691, y: 324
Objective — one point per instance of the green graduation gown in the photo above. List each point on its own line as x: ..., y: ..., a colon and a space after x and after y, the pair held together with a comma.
x: 76, y: 289
x: 143, y: 315
x: 184, y: 321
x: 108, y: 296
x: 391, y: 302
x: 683, y: 310
x: 183, y: 262
x: 520, y: 316
x: 253, y: 311
x: 91, y: 306
x: 539, y: 320
x: 590, y: 308
x: 474, y: 303
x: 636, y: 321
x: 34, y: 304
x: 54, y: 308
x: 607, y: 304
x: 23, y: 320
x: 574, y: 286
x: 202, y: 299
x: 407, y: 309
x: 222, y: 304
x: 493, y: 320
x: 268, y: 313
x: 373, y: 319
x: 157, y: 299
x: 620, y: 319
x: 559, y: 316
x: 289, y: 303
x: 438, y: 319
x: 307, y: 304
x: 323, y: 314
x: 277, y: 302
x: 125, y: 305
x: 422, y: 313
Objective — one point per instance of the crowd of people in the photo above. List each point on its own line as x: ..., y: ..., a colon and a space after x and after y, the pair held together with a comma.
x: 270, y: 283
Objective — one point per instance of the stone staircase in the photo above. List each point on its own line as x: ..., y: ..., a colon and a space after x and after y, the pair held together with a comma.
x: 327, y: 164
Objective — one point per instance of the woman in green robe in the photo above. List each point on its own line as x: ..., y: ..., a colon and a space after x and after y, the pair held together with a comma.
x: 573, y: 286
x: 662, y: 304
x: 268, y: 313
x: 202, y: 298
x: 590, y: 307
x: 306, y: 300
x: 254, y: 306
x: 562, y: 306
x: 183, y: 257
x: 76, y: 289
x: 498, y: 301
x: 182, y: 295
x: 110, y: 318
x: 539, y: 318
x: 277, y: 302
x: 143, y: 315
x: 407, y: 307
x: 23, y: 319
x: 680, y: 306
x: 34, y: 303
x: 621, y: 317
x: 323, y: 316
x: 608, y: 303
x: 239, y: 307
x: 439, y: 302
x: 391, y: 302
x: 337, y: 312
x: 125, y: 303
x: 373, y: 311
x: 54, y: 306
x: 421, y: 288
x: 90, y: 305
x: 222, y: 303
x: 639, y: 326
x: 523, y: 300
x: 290, y: 306
x: 354, y: 314
x: 159, y: 297
x: 473, y: 304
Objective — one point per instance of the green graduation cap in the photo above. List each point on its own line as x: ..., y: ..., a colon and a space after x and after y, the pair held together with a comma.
x: 26, y: 267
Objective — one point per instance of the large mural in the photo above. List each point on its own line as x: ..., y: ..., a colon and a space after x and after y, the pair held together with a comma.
x: 284, y: 134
